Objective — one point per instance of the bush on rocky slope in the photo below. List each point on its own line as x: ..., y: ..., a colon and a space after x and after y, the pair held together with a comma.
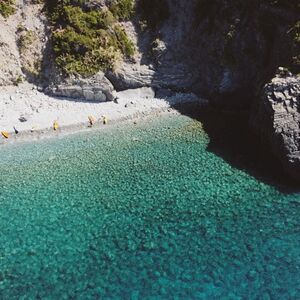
x: 269, y: 20
x: 295, y: 31
x: 87, y: 40
x: 7, y: 8
x: 122, y: 9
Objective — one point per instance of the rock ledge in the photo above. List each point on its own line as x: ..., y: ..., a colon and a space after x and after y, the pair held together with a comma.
x: 276, y: 118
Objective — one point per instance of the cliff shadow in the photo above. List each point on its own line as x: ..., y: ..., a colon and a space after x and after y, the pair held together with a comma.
x: 231, y: 137
x: 178, y: 27
x: 232, y: 140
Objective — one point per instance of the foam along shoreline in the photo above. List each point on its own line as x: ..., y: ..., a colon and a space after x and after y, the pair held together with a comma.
x: 32, y: 113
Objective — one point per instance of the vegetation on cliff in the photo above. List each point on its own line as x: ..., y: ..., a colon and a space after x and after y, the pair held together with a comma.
x: 88, y: 36
x: 86, y: 39
x: 266, y: 20
x: 7, y: 8
x: 122, y: 9
x: 296, y: 38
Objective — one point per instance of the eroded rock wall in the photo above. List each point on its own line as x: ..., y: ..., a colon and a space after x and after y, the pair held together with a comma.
x: 276, y: 118
x: 23, y: 39
x: 224, y: 50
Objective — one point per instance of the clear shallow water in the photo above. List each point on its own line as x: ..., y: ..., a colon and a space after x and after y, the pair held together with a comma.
x: 142, y: 213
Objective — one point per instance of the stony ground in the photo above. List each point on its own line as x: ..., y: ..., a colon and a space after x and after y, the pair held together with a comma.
x: 27, y: 109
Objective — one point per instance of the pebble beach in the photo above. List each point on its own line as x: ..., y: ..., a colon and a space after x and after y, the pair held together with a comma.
x: 29, y: 112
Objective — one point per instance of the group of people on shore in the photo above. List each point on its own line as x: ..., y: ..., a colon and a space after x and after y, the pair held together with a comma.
x: 92, y: 120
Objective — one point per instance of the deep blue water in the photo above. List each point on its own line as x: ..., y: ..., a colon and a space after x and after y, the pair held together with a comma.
x: 142, y: 212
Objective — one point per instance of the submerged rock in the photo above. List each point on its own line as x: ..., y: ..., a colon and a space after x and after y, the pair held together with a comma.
x: 276, y: 118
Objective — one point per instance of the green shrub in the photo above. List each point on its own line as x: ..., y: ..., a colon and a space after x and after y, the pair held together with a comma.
x: 18, y: 80
x: 37, y: 1
x: 26, y: 39
x: 295, y: 32
x: 87, y: 22
x: 86, y: 41
x: 7, y: 8
x: 88, y: 64
x: 122, y: 41
x: 122, y: 9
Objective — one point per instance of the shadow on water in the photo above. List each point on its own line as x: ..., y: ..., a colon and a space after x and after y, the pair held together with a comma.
x: 229, y: 133
x: 232, y: 139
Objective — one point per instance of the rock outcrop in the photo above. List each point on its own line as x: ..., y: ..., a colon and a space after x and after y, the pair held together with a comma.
x: 23, y: 39
x: 95, y: 89
x: 217, y: 49
x: 276, y: 118
x: 129, y: 76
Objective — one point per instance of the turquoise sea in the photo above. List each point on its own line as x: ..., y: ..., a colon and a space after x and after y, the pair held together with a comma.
x: 146, y: 211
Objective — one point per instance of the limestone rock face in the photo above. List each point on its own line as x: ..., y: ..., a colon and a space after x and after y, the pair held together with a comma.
x: 131, y: 77
x: 276, y: 118
x: 217, y: 50
x: 23, y: 41
x: 96, y: 89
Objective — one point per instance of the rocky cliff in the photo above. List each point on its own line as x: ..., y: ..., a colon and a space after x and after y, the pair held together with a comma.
x: 23, y: 38
x: 276, y: 118
x: 225, y: 50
